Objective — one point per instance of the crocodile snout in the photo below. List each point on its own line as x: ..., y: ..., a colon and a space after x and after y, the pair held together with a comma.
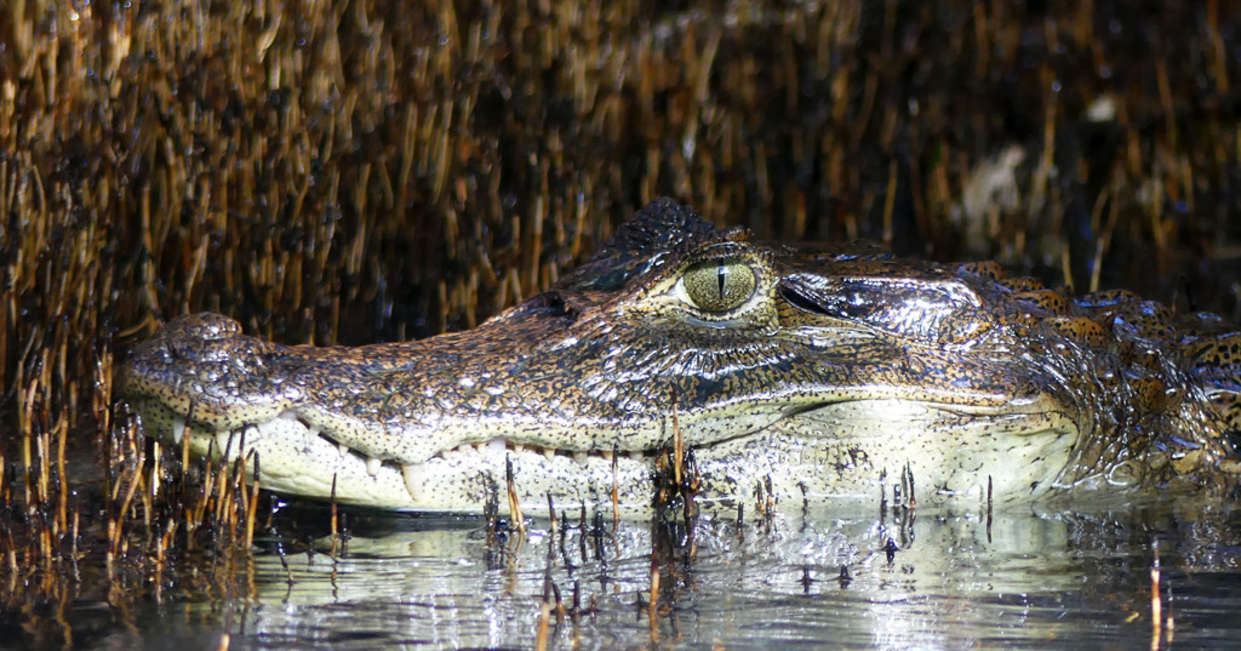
x: 202, y: 366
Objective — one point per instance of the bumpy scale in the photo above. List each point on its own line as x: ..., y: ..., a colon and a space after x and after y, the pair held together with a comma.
x: 829, y: 369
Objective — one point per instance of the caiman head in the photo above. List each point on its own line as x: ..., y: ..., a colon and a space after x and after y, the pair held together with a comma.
x: 821, y: 372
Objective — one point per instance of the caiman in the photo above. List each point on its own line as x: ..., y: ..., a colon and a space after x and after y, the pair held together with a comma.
x: 821, y: 372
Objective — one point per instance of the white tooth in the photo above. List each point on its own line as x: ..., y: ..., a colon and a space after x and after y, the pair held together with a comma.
x: 496, y: 447
x: 415, y: 475
x: 222, y: 443
x: 178, y: 430
x: 579, y: 457
x: 344, y: 449
x: 635, y: 455
x: 549, y: 453
x: 372, y: 466
x: 478, y: 447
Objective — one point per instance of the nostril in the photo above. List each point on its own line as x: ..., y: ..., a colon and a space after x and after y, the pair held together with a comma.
x: 202, y: 337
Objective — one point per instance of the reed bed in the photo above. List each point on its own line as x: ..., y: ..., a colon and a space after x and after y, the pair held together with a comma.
x: 348, y: 172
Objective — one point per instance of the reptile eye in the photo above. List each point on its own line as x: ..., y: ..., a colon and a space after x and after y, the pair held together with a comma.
x: 719, y: 285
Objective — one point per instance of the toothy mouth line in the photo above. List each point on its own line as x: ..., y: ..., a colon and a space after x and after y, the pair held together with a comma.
x: 373, y: 464
x: 550, y: 454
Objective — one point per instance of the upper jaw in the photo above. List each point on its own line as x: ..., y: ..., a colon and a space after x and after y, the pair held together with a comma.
x: 202, y: 368
x: 404, y: 402
x: 409, y: 402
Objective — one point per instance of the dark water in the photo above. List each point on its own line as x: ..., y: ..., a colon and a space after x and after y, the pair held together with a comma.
x: 1069, y: 576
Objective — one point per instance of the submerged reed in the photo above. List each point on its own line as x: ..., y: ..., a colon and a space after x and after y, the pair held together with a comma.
x: 346, y: 172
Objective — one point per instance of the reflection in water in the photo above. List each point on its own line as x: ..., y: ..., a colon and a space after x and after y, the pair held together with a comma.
x: 1062, y: 578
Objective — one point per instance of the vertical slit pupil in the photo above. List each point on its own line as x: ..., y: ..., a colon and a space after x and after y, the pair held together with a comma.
x: 721, y: 272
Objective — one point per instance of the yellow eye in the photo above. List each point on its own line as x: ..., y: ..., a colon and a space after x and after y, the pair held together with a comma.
x: 720, y: 285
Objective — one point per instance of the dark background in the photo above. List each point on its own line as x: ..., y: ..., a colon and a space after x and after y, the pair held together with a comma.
x: 367, y: 171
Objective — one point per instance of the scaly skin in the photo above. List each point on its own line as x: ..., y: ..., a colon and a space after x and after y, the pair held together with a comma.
x: 828, y: 370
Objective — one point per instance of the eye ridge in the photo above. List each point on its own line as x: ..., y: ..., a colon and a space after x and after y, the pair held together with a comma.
x: 719, y: 285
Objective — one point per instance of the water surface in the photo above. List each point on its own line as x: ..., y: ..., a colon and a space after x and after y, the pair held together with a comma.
x: 1070, y: 576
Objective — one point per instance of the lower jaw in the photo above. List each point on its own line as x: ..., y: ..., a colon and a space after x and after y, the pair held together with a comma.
x: 296, y: 461
x: 793, y: 467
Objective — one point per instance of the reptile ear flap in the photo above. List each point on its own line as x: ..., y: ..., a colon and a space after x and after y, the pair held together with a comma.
x: 1216, y: 363
x: 1226, y: 405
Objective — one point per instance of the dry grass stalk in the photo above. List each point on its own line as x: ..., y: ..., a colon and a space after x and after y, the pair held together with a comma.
x: 280, y: 164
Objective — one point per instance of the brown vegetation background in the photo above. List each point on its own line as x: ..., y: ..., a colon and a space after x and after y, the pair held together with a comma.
x: 359, y: 171
x: 362, y: 171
